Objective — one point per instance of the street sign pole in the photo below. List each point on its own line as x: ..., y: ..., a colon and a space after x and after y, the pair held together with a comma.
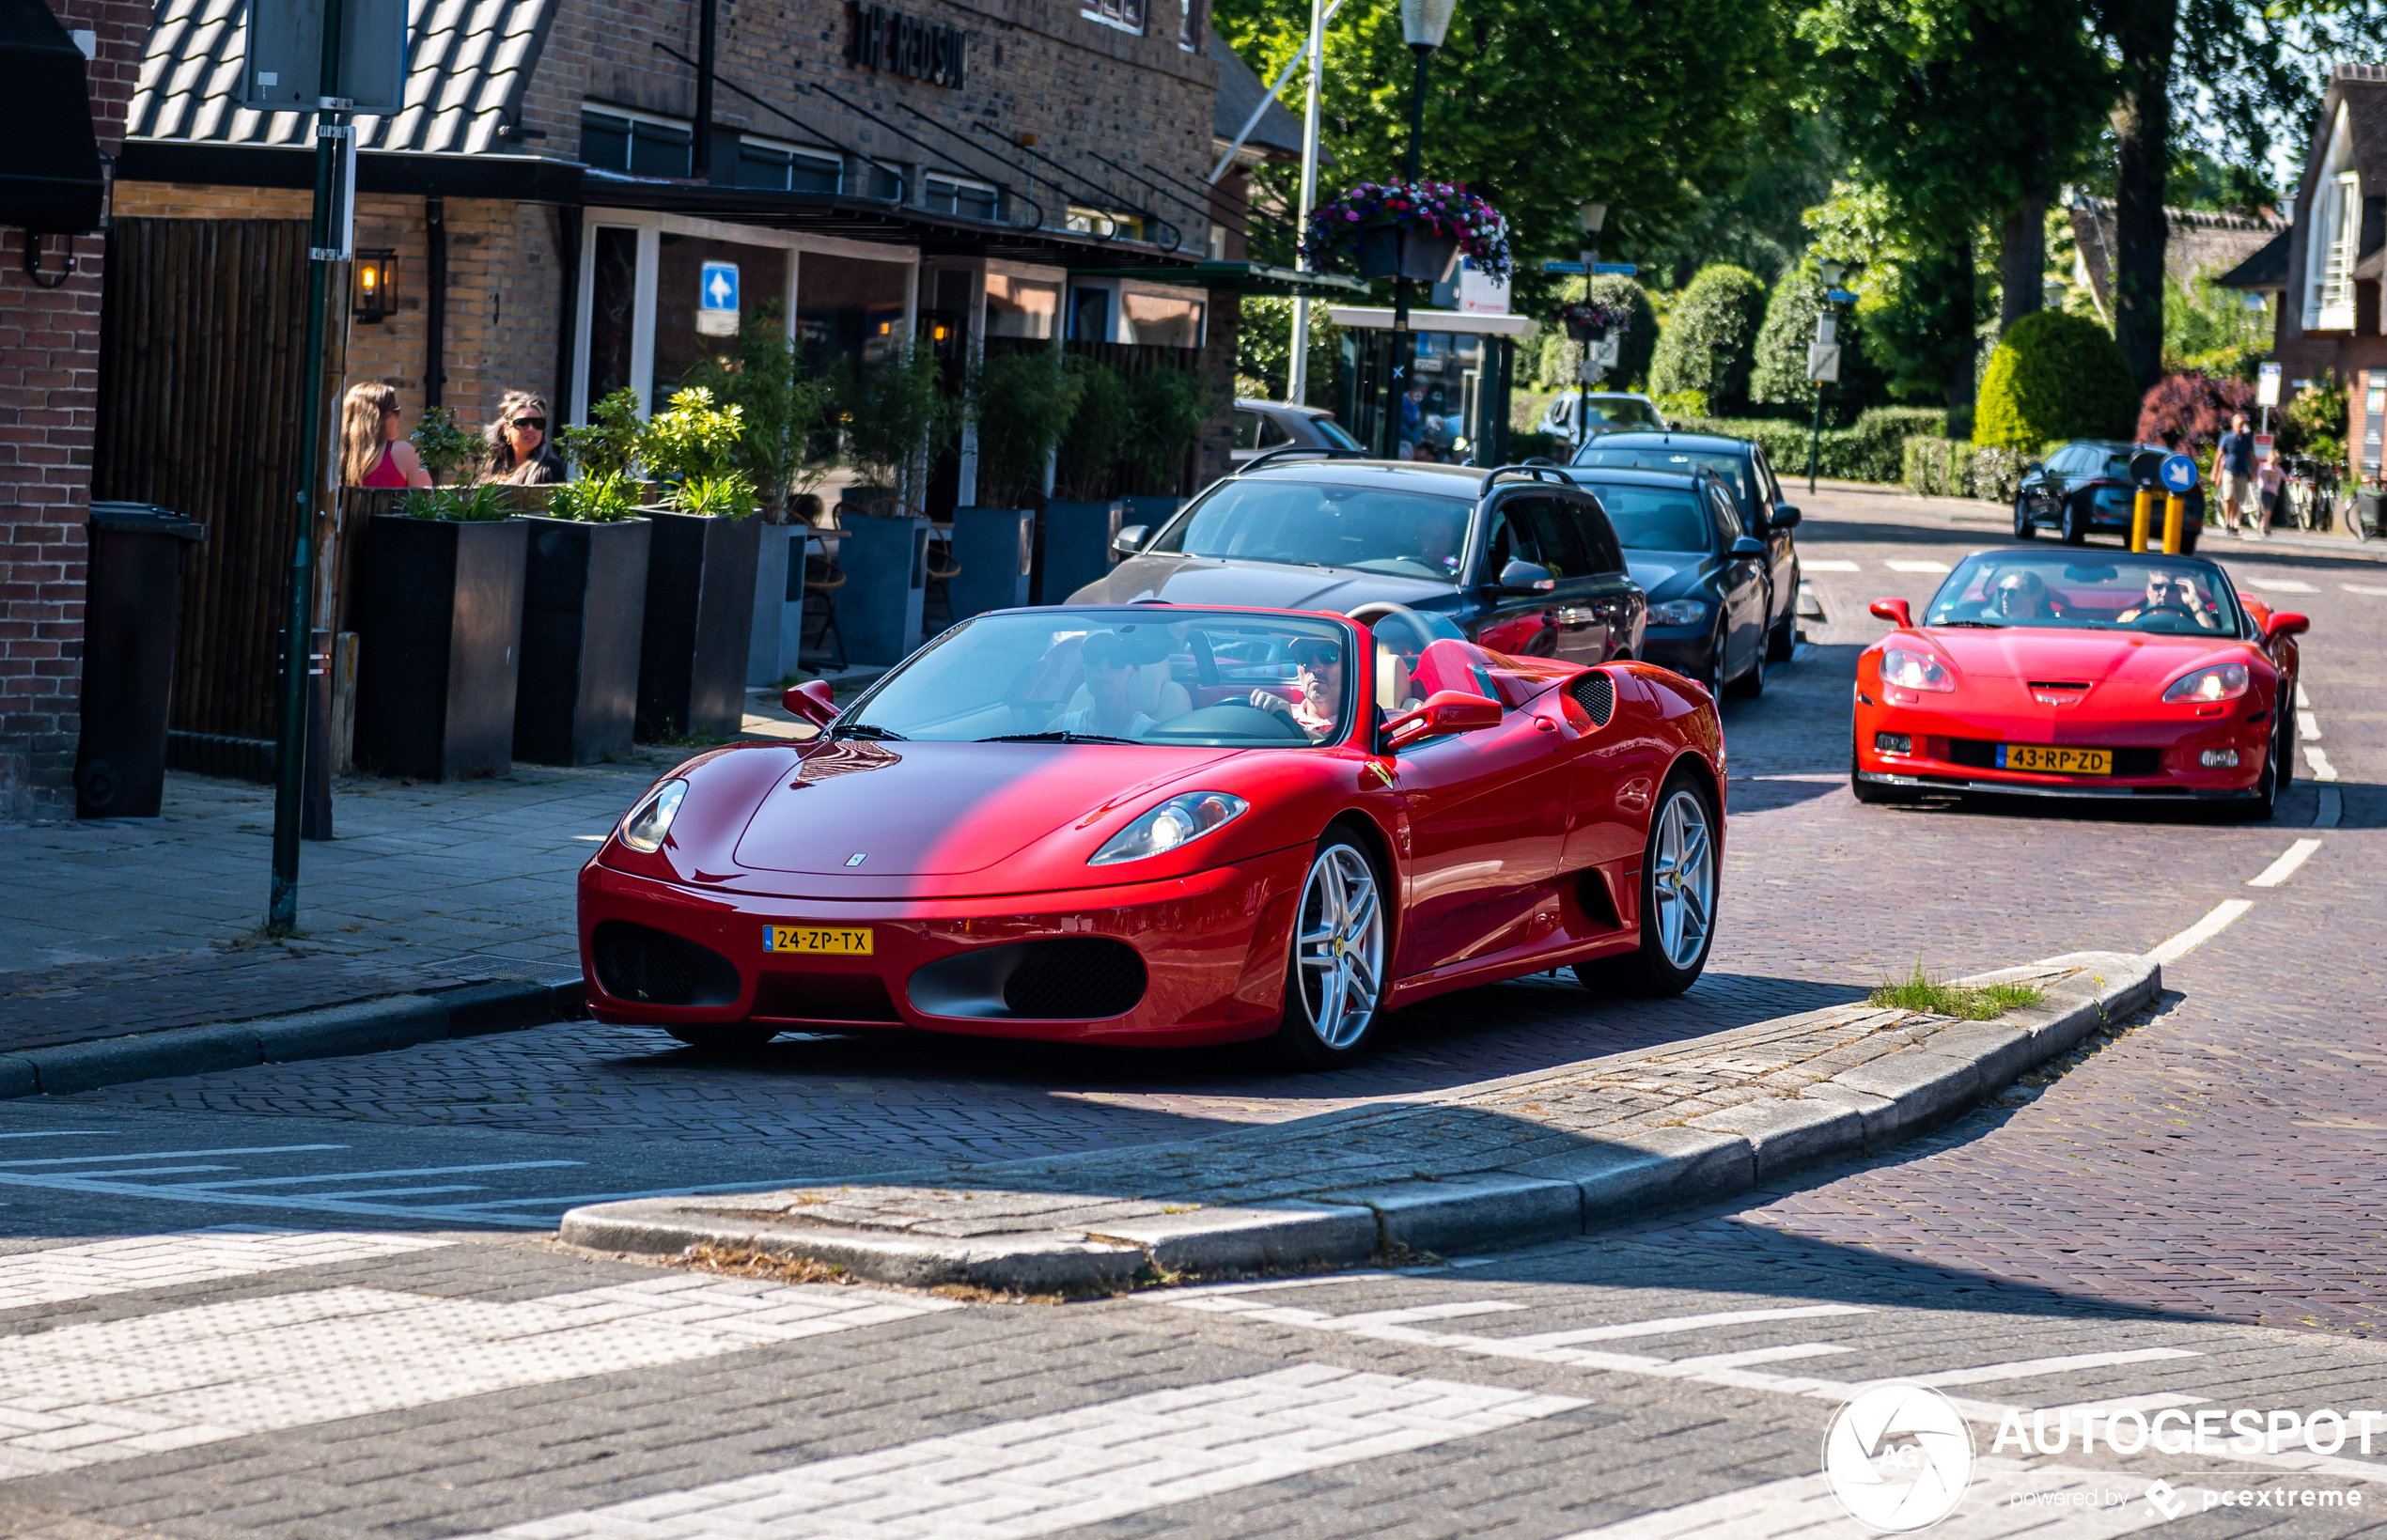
x: 328, y: 255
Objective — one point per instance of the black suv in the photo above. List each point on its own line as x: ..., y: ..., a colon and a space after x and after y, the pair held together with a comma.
x: 1763, y: 514
x: 2085, y: 485
x: 1519, y: 558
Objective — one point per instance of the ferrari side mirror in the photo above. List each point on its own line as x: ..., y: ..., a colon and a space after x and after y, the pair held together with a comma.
x: 1895, y: 610
x: 813, y: 701
x: 1446, y: 711
x: 2287, y: 625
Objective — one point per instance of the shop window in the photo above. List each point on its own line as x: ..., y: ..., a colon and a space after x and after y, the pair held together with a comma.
x: 785, y: 170
x: 682, y: 338
x: 612, y: 305
x: 1119, y: 13
x: 637, y: 146
x: 1020, y: 307
x: 1105, y: 222
x: 1089, y: 315
x: 1160, y: 321
x: 848, y: 307
x: 965, y: 200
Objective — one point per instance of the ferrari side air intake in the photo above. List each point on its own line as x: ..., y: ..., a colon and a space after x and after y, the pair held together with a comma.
x: 1071, y: 978
x: 657, y: 968
x: 1596, y: 694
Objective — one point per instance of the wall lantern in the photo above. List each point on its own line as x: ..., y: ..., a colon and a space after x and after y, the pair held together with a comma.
x: 376, y: 285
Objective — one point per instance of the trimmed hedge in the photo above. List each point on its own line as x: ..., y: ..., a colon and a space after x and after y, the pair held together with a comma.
x: 1873, y: 450
x: 1952, y: 468
x: 1710, y: 335
x: 2055, y: 376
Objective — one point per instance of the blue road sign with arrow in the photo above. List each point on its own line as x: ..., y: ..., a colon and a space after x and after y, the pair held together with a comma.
x: 2178, y: 474
x: 718, y: 288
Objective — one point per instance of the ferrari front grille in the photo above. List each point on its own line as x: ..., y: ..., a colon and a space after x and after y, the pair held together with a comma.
x: 657, y: 968
x: 1596, y: 694
x: 1078, y: 978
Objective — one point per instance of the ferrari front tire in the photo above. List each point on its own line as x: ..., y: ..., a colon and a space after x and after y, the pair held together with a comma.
x: 736, y: 1037
x: 1336, y: 976
x: 1678, y: 871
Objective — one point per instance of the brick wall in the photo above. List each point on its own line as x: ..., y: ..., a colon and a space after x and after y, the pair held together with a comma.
x: 49, y: 376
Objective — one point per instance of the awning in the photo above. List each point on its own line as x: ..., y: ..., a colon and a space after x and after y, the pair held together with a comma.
x: 1379, y: 318
x: 51, y: 178
x: 1249, y: 278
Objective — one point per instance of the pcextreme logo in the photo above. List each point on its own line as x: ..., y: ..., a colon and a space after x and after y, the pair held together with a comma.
x: 1897, y: 1456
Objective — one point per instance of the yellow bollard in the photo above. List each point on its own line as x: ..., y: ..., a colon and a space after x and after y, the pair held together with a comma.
x: 2142, y: 514
x: 2175, y: 513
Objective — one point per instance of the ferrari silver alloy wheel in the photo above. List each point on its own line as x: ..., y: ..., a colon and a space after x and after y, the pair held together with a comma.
x: 1339, y: 944
x: 1683, y: 885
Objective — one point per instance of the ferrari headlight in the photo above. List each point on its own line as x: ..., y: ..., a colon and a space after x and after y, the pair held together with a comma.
x: 1174, y: 822
x: 650, y: 820
x: 1911, y: 669
x: 2220, y: 682
x: 1677, y: 612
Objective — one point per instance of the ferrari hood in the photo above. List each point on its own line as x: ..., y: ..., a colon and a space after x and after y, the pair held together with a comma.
x: 1265, y: 586
x: 2084, y: 655
x: 860, y: 808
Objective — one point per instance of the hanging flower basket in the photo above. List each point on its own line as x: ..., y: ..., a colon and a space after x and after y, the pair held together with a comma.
x: 1590, y: 321
x: 1408, y: 229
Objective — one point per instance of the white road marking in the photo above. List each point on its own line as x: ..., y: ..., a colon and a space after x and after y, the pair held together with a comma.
x: 361, y: 1175
x: 1664, y: 1325
x: 2284, y: 867
x: 1787, y: 1353
x: 2202, y: 931
x: 2302, y: 699
x: 115, y: 1390
x: 1433, y: 1313
x: 1807, y: 565
x: 2319, y: 759
x: 2000, y: 1501
x: 2279, y: 585
x: 1916, y: 566
x: 2332, y: 808
x: 149, y: 1262
x: 167, y: 1155
x: 2349, y: 587
x: 1989, y: 1373
x: 1043, y: 1474
x: 2308, y: 726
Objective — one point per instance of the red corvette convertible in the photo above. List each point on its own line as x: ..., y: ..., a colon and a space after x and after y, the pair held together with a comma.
x: 1153, y: 825
x: 2076, y: 674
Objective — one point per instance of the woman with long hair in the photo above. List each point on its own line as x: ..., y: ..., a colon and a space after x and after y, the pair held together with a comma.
x: 518, y: 443
x: 371, y: 452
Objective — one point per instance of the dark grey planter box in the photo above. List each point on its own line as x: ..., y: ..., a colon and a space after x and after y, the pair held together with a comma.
x: 1076, y: 546
x: 996, y: 550
x: 768, y: 658
x: 584, y: 606
x: 700, y: 615
x: 886, y: 566
x: 438, y: 617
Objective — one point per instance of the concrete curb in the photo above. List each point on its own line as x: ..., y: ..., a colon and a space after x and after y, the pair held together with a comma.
x: 1860, y: 1112
x: 331, y: 1031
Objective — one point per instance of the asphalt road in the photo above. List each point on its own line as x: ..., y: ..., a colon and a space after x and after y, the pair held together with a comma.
x: 2187, y: 1222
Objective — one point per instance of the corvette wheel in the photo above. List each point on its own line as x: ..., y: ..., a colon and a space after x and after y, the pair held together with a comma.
x: 1677, y: 900
x: 2025, y: 528
x: 2277, y: 767
x: 1870, y: 792
x: 735, y: 1038
x: 1338, y: 958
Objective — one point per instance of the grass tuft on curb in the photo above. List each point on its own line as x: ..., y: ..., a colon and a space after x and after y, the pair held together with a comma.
x: 1921, y: 992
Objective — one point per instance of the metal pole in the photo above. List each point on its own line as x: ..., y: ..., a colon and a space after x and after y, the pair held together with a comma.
x: 1405, y: 341
x: 1297, y: 370
x: 328, y: 251
x: 705, y: 59
x: 1815, y: 437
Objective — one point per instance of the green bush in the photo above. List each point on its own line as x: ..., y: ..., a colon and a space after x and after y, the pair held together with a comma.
x: 2054, y: 377
x: 1778, y: 375
x: 1952, y: 468
x: 1021, y: 402
x: 894, y: 412
x: 1097, y: 434
x: 1711, y: 337
x: 1873, y: 450
x: 1166, y: 410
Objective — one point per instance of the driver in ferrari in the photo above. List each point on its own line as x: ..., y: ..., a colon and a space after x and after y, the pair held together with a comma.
x: 1318, y: 675
x: 2174, y: 594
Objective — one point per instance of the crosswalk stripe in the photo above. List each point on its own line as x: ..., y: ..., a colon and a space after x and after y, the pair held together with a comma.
x: 1807, y: 565
x: 1916, y: 566
x: 1043, y: 1474
x: 1664, y: 1325
x: 1989, y: 1373
x: 2284, y: 867
x: 2279, y: 585
x: 2362, y: 588
x: 64, y: 1273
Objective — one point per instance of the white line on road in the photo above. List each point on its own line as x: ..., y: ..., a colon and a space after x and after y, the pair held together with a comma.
x: 1786, y: 1353
x: 1989, y: 1373
x: 2284, y: 867
x: 2349, y: 587
x: 2308, y: 726
x: 1807, y: 565
x: 2202, y: 931
x: 2279, y: 585
x: 2332, y: 808
x: 2302, y: 699
x: 168, y: 1155
x: 1042, y: 1474
x: 1664, y: 1325
x: 361, y: 1175
x: 2319, y: 759
x: 148, y: 1262
x: 1916, y: 566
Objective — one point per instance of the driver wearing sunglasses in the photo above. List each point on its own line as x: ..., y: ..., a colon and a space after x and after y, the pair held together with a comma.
x: 2173, y: 594
x: 1318, y: 674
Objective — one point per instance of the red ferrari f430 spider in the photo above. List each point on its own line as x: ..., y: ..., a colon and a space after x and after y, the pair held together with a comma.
x: 2081, y: 674
x: 1153, y: 825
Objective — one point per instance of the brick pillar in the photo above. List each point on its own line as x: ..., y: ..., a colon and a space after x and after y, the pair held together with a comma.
x: 48, y: 402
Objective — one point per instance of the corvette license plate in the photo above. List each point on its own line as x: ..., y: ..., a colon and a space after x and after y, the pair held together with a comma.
x: 2026, y: 756
x: 836, y: 941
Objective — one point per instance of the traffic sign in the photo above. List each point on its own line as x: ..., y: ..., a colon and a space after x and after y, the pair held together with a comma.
x: 1841, y: 296
x: 1622, y: 270
x: 1555, y: 266
x: 2178, y: 474
x: 2267, y: 386
x: 717, y: 298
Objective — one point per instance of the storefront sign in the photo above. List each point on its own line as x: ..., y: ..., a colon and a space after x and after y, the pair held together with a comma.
x: 885, y: 38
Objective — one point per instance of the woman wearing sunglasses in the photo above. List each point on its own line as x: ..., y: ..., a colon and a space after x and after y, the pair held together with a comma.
x: 518, y: 445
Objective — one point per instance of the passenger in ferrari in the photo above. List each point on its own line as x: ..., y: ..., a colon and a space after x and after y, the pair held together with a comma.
x: 2173, y: 596
x: 1318, y: 674
x: 1110, y: 670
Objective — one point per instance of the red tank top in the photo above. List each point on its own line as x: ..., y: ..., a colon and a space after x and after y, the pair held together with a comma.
x: 385, y: 472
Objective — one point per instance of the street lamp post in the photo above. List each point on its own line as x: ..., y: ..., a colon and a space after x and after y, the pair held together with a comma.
x: 1823, y: 358
x: 1423, y: 25
x: 1592, y: 215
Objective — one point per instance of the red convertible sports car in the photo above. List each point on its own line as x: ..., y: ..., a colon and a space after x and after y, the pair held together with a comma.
x: 1155, y: 825
x: 2078, y: 674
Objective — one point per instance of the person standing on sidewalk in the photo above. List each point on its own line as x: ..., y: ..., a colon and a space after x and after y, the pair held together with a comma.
x: 2234, y: 475
x: 371, y: 452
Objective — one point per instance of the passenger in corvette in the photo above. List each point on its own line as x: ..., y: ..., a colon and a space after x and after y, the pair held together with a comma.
x: 1108, y: 672
x: 2024, y: 596
x: 2175, y: 597
x: 1318, y: 671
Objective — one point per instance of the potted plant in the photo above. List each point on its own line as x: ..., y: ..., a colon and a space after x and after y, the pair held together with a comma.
x: 583, y: 598
x: 700, y: 571
x: 1412, y: 230
x: 761, y: 374
x: 1167, y: 409
x: 438, y: 615
x: 1590, y: 319
x: 1082, y: 517
x: 1020, y: 402
x: 894, y: 419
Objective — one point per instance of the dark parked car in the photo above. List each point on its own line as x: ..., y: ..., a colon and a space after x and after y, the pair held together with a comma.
x: 1263, y: 426
x: 2084, y: 487
x: 1758, y: 505
x: 1520, y: 559
x: 1705, y: 579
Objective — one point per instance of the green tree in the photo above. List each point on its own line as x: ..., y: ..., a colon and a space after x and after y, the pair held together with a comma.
x: 2055, y: 377
x: 1778, y: 378
x: 1710, y: 337
x: 761, y: 374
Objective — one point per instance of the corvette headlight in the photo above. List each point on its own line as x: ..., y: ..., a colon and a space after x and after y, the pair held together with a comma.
x: 1677, y: 612
x: 1911, y: 669
x: 650, y: 820
x: 1174, y: 822
x: 2220, y: 682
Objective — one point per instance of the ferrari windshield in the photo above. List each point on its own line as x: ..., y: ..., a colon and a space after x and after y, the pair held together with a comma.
x: 2171, y: 595
x: 1146, y: 674
x: 1304, y: 523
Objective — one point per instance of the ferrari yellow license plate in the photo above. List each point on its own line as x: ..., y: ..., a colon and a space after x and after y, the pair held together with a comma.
x: 834, y: 941
x: 2026, y: 756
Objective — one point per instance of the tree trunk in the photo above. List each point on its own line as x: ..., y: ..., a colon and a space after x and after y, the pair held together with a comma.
x: 1962, y: 345
x: 2144, y: 33
x: 2023, y: 282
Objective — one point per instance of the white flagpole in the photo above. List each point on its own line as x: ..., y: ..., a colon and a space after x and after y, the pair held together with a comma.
x: 1297, y: 372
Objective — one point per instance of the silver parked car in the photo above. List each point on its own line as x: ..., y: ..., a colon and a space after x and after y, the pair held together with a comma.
x: 1263, y: 426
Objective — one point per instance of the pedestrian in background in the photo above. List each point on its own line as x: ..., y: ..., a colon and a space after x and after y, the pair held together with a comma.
x: 371, y: 452
x: 2234, y: 475
x: 518, y: 446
